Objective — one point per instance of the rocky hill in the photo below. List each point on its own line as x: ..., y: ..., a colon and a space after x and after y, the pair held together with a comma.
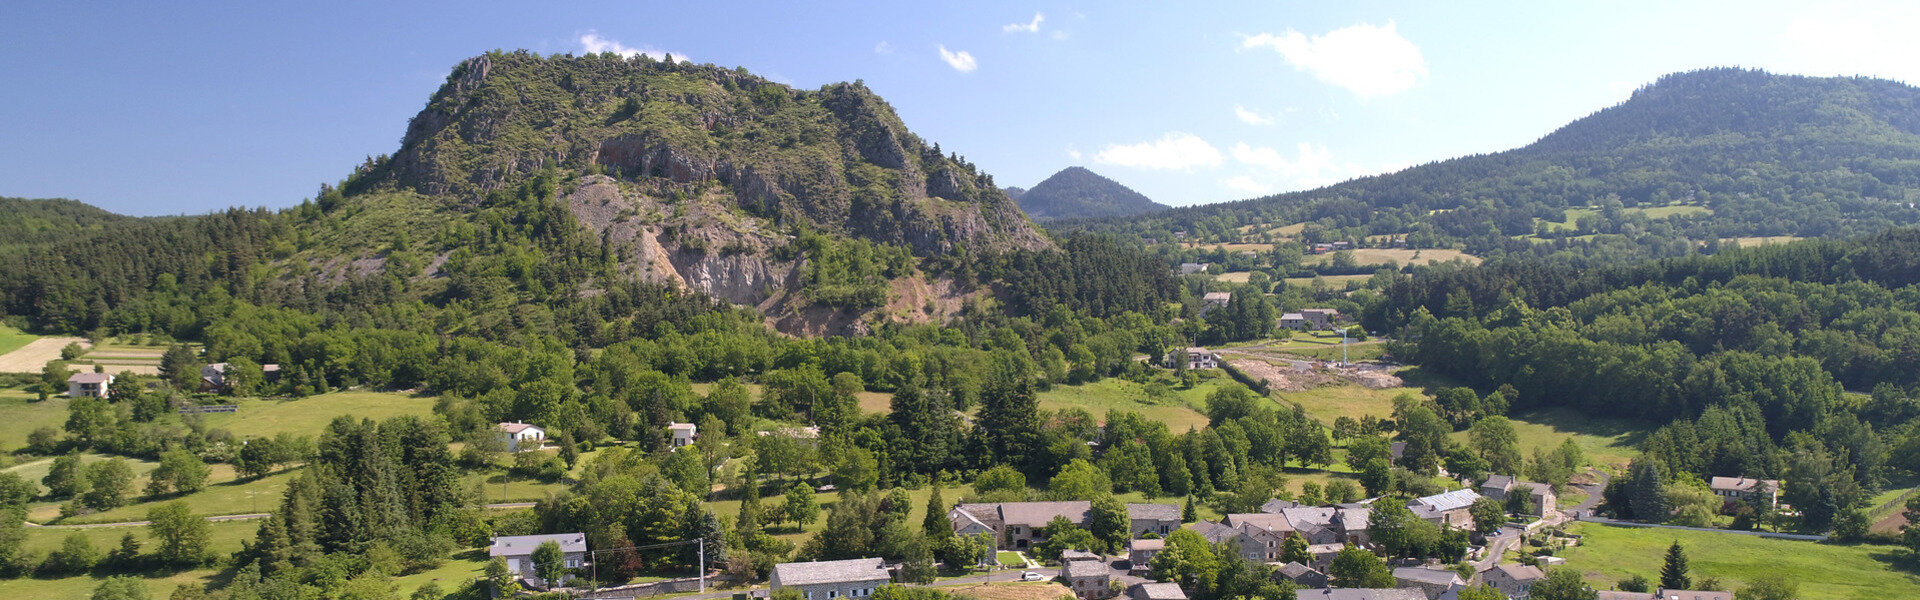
x: 1076, y: 192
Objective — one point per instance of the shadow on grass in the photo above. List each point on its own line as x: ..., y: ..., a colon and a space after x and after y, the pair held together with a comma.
x: 1898, y: 559
x: 1627, y: 432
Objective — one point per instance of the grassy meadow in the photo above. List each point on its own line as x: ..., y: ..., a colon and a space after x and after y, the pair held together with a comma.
x: 1824, y: 571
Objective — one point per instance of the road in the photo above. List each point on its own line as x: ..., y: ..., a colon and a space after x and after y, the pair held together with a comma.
x: 221, y: 518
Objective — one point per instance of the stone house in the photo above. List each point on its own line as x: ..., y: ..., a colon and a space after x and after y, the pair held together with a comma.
x: 832, y: 579
x: 1017, y: 524
x: 1301, y: 575
x: 518, y: 551
x: 1293, y: 321
x: 1320, y: 318
x: 1140, y: 555
x: 1541, y: 499
x: 1445, y: 509
x: 1514, y: 580
x: 1090, y: 579
x: 1157, y: 519
x: 89, y: 384
x: 1213, y: 300
x: 1157, y: 591
x: 1362, y: 594
x: 1664, y: 595
x: 1431, y: 582
x: 1761, y: 493
x: 521, y: 437
x: 1260, y: 537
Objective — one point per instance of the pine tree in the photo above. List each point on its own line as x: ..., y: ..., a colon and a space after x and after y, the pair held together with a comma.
x: 273, y: 547
x: 1673, y: 576
x: 935, y: 524
x: 747, y: 525
x: 1189, y: 514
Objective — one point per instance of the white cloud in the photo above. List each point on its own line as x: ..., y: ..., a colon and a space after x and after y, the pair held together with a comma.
x: 1851, y: 38
x: 1175, y: 150
x: 1073, y: 153
x: 1370, y: 61
x: 883, y: 48
x: 1311, y: 166
x: 1250, y: 117
x: 960, y: 61
x: 594, y: 44
x: 1029, y: 27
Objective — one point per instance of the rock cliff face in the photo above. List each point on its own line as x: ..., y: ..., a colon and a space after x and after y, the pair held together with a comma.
x: 836, y: 160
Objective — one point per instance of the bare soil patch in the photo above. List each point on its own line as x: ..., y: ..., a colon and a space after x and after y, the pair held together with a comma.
x: 34, y: 356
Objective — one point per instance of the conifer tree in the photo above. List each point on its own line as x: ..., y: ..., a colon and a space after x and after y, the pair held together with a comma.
x: 935, y: 524
x: 1673, y: 576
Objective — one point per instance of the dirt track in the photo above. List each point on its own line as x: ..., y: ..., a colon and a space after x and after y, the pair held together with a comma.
x: 34, y: 356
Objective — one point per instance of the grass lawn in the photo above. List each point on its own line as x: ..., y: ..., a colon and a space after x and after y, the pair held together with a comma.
x: 465, y: 566
x: 225, y: 540
x: 1399, y: 256
x: 226, y: 495
x: 1572, y: 219
x: 1823, y: 571
x: 501, y: 487
x: 1179, y: 411
x: 1235, y: 277
x: 12, y: 339
x: 1607, y: 442
x: 1009, y: 558
x: 1011, y: 590
x: 26, y: 413
x: 310, y: 415
x: 1332, y: 281
x: 1328, y: 403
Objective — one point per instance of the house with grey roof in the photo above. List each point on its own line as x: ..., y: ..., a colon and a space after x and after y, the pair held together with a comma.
x: 1361, y: 594
x: 1157, y: 591
x: 89, y: 384
x: 1213, y: 300
x: 1017, y: 524
x: 1276, y: 505
x: 1431, y: 582
x: 1090, y: 580
x: 682, y: 434
x: 1301, y: 575
x: 1260, y: 537
x: 1762, y: 493
x: 1449, y: 508
x: 1540, y: 496
x: 1157, y: 519
x: 1514, y: 580
x: 831, y: 579
x: 1140, y: 554
x: 1315, y: 523
x: 521, y: 436
x: 518, y: 552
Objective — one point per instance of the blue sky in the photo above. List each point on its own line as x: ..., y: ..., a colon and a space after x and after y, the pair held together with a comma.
x: 167, y: 108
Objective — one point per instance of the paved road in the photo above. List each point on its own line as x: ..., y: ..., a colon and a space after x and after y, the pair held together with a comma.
x: 1594, y: 494
x: 221, y: 518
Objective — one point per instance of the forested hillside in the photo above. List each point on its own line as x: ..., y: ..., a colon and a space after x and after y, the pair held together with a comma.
x: 1693, y: 158
x: 1076, y: 192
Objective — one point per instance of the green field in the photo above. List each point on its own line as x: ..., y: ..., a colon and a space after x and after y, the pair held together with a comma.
x: 1180, y: 410
x: 1824, y: 571
x: 26, y: 413
x: 12, y: 339
x: 1607, y: 442
x: 225, y: 495
x: 310, y: 415
x: 160, y: 584
x: 1572, y: 219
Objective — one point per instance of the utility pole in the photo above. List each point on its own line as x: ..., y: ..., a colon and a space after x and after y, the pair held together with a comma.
x: 1343, y: 348
x: 703, y: 564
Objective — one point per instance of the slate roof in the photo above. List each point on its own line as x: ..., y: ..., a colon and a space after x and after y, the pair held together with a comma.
x: 1084, y: 568
x: 1214, y: 532
x: 515, y: 427
x: 1294, y: 570
x: 1500, y: 482
x: 681, y: 427
x: 1518, y: 572
x: 830, y: 571
x: 1362, y: 594
x: 522, y: 545
x: 1037, y: 514
x: 90, y: 378
x: 1425, y: 575
x: 1160, y: 591
x: 1157, y: 512
x: 1071, y: 555
x: 1276, y: 505
x: 1217, y: 296
x: 1267, y: 521
x: 1456, y: 499
x: 1322, y: 516
x: 1743, y: 484
x: 1356, y: 518
x: 1149, y: 544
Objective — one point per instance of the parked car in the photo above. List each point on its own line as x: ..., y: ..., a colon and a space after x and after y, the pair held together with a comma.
x: 1031, y: 576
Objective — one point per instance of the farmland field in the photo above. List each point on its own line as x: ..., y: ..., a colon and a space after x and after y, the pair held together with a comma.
x: 1179, y: 411
x: 12, y: 339
x: 1823, y: 571
x: 1399, y: 256
x: 310, y: 415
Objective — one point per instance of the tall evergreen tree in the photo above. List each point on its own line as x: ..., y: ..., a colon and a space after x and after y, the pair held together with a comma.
x: 1673, y: 575
x: 936, y: 526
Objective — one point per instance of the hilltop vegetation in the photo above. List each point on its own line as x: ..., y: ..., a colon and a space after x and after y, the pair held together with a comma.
x: 1746, y: 153
x: 1076, y: 192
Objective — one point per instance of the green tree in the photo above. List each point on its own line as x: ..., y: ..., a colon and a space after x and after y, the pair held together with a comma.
x: 179, y: 471
x: 75, y: 556
x: 1772, y: 586
x: 1296, y: 550
x: 184, y: 536
x: 1063, y: 535
x: 1357, y: 568
x: 935, y: 524
x: 504, y: 582
x: 1109, y: 522
x: 1079, y: 480
x: 1636, y: 583
x: 549, y: 562
x: 1646, y: 492
x: 1673, y: 575
x: 1190, y: 513
x: 1563, y: 583
x: 180, y: 366
x: 107, y: 484
x: 91, y: 419
x: 1496, y: 441
x: 121, y: 588
x: 1910, y: 533
x: 242, y: 377
x: 1487, y: 515
x: 1484, y: 591
x: 917, y: 566
x: 1391, y: 524
x: 801, y: 507
x: 13, y: 533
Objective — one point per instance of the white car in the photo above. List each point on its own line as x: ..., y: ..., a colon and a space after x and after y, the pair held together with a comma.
x: 1031, y: 576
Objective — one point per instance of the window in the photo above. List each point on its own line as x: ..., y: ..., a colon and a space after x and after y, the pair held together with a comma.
x: 831, y: 594
x: 573, y: 563
x: 807, y: 595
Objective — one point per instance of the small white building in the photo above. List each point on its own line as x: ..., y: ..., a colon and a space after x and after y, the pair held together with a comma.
x: 1197, y: 358
x: 1213, y: 300
x: 89, y: 384
x: 522, y: 436
x: 683, y: 433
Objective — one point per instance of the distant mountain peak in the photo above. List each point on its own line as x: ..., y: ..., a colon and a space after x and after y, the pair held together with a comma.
x: 1077, y: 192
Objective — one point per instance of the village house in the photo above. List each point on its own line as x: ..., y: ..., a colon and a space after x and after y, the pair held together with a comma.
x: 518, y: 552
x: 1361, y: 594
x: 1431, y: 582
x: 1089, y: 579
x: 1157, y: 591
x: 89, y: 384
x: 1514, y: 580
x: 213, y: 377
x: 1664, y: 595
x: 1320, y: 318
x: 1197, y: 358
x: 831, y: 579
x: 1445, y: 509
x: 1541, y: 499
x: 683, y: 433
x: 1213, y: 300
x: 522, y: 436
x: 1293, y: 321
x: 1259, y: 537
x: 1762, y: 493
x: 1140, y: 555
x: 1193, y: 268
x: 1301, y: 575
x: 1017, y: 524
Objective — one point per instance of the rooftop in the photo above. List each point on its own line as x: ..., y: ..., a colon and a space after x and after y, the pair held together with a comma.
x: 1362, y: 594
x: 1161, y: 591
x: 1158, y: 512
x: 1425, y: 575
x: 516, y: 427
x: 830, y: 571
x: 522, y: 545
x: 90, y: 378
x: 1743, y: 484
x: 1519, y: 572
x: 1449, y: 501
x: 1038, y: 514
x: 1155, y: 544
x: 1085, y: 568
x: 1267, y: 521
